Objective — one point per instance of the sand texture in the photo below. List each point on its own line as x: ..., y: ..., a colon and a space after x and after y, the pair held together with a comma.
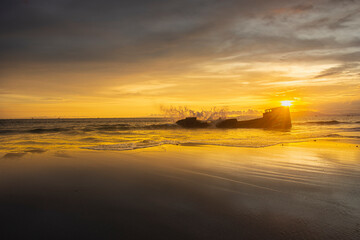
x: 294, y: 191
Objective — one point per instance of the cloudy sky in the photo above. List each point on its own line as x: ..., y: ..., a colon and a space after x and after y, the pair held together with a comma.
x: 123, y: 58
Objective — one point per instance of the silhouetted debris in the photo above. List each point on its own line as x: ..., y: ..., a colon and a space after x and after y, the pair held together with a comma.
x: 274, y: 118
x: 192, y: 122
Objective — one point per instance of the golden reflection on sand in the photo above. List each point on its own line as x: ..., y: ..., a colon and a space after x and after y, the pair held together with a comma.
x: 311, y: 187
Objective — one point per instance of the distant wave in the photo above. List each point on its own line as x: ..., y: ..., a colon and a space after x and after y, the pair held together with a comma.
x: 112, y: 127
x: 332, y: 122
x: 119, y: 127
x: 47, y: 130
x: 355, y: 129
x: 100, y: 128
x: 4, y: 132
x: 162, y: 126
x: 34, y: 131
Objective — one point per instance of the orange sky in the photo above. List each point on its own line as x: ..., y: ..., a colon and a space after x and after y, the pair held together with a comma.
x: 67, y: 59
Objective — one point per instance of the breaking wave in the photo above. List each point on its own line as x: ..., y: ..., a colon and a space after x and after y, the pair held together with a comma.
x: 180, y: 112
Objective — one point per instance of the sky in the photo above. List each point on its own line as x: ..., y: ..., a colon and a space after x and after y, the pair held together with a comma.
x: 127, y: 58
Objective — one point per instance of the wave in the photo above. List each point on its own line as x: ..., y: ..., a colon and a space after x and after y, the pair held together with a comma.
x: 332, y: 122
x: 153, y: 143
x: 334, y: 136
x: 48, y: 130
x: 258, y: 143
x: 112, y: 127
x: 35, y: 131
x: 355, y: 129
x: 132, y: 145
x: 141, y: 145
x: 5, y: 132
x: 100, y: 128
x: 162, y: 126
x: 357, y: 137
x: 90, y: 139
x: 341, y: 136
x: 122, y: 127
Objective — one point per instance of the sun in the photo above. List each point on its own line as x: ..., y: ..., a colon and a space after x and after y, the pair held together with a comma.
x: 286, y: 103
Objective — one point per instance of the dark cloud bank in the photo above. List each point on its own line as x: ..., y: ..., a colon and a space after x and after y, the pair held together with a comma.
x: 132, y: 31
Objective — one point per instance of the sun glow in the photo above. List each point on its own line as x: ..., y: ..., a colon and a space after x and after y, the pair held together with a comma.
x: 286, y: 103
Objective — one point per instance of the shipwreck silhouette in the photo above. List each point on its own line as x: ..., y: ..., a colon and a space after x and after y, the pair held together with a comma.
x: 273, y: 118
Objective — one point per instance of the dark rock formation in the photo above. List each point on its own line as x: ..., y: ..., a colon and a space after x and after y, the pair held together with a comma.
x: 192, y: 122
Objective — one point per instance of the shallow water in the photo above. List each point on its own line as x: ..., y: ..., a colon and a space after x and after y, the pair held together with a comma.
x: 23, y: 135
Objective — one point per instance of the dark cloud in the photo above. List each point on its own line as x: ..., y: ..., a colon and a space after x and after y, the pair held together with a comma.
x: 115, y: 30
x: 303, y: 7
x: 134, y: 32
x: 343, y: 20
x: 338, y: 70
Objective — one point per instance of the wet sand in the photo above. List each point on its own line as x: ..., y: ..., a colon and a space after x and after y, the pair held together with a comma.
x: 305, y: 190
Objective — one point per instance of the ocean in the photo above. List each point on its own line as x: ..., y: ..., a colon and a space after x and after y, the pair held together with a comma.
x: 37, y: 135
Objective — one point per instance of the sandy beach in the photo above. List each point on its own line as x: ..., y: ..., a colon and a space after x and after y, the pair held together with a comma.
x: 295, y: 191
x: 306, y: 190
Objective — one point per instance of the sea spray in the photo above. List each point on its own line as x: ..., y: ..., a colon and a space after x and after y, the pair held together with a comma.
x: 180, y: 112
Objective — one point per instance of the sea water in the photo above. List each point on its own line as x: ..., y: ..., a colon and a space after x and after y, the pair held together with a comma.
x: 36, y: 135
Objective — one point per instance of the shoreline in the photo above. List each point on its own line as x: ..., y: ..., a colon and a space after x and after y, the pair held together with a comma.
x: 342, y: 140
